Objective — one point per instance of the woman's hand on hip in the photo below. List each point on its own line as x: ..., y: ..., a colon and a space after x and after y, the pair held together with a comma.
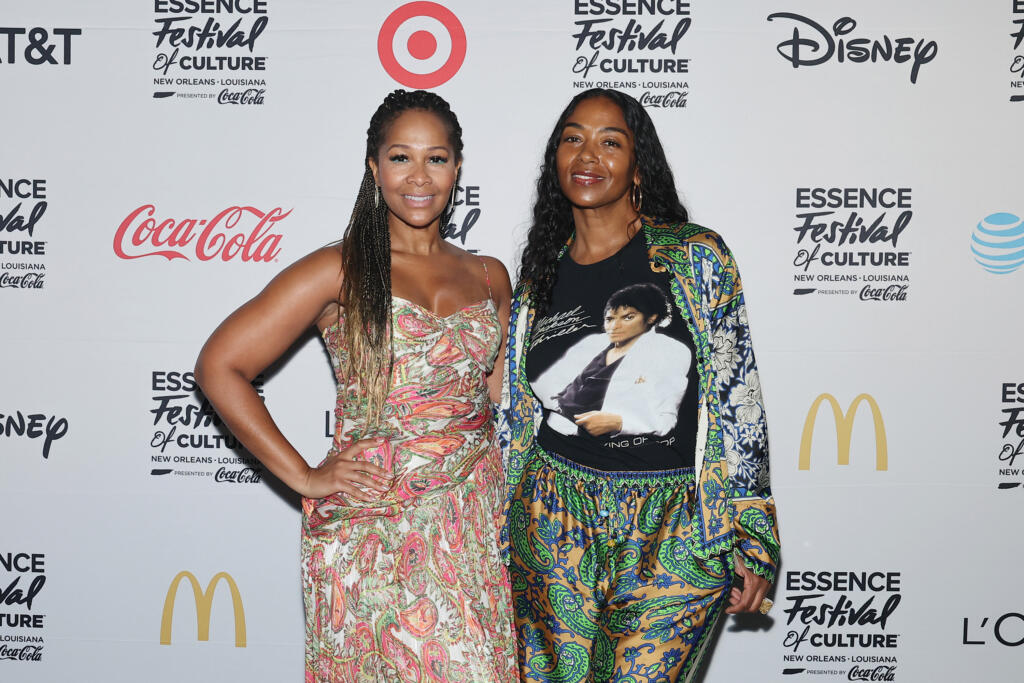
x: 347, y: 473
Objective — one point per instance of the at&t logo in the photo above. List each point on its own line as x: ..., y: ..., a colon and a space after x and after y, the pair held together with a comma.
x: 37, y: 46
x: 844, y: 430
x: 998, y: 243
x: 422, y: 45
x: 204, y: 603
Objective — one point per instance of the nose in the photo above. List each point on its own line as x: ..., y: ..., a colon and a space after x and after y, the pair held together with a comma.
x: 588, y: 151
x: 418, y: 175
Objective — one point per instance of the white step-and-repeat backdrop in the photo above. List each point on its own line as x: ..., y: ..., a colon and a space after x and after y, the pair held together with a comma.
x: 162, y: 159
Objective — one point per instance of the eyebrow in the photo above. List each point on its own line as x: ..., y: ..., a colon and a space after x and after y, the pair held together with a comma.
x: 402, y: 146
x: 571, y: 124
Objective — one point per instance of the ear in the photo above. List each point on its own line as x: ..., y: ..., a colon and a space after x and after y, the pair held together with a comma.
x: 636, y: 176
x: 651, y: 318
x: 373, y: 169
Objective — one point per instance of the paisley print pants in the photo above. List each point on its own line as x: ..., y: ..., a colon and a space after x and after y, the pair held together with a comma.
x: 604, y: 586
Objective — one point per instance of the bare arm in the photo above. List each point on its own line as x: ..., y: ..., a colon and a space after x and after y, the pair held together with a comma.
x: 252, y: 338
x: 501, y: 289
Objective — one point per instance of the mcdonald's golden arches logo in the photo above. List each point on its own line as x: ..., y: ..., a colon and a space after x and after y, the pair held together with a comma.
x: 844, y: 430
x: 204, y: 603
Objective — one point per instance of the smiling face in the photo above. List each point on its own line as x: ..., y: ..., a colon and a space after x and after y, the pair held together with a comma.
x: 415, y: 169
x: 625, y: 323
x: 595, y: 159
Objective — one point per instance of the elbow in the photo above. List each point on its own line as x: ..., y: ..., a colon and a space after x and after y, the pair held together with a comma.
x: 200, y: 371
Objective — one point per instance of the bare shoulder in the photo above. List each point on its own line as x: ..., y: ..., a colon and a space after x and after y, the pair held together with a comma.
x: 323, y: 264
x: 312, y: 283
x: 498, y: 274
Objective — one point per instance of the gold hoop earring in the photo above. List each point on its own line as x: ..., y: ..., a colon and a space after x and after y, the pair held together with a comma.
x: 636, y: 198
x: 376, y: 196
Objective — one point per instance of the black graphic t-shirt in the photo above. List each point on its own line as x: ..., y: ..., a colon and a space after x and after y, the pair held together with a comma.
x: 613, y: 364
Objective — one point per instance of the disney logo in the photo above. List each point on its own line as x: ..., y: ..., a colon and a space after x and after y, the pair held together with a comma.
x: 821, y: 45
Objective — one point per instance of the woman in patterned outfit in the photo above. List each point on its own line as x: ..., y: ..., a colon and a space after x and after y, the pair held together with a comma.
x: 627, y: 542
x: 402, y: 578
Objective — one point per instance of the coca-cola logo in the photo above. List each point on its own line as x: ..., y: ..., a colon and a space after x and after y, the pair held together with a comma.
x: 246, y: 475
x: 673, y: 99
x: 26, y: 653
x: 882, y: 672
x: 242, y: 232
x: 247, y: 96
x: 890, y: 293
x: 29, y: 280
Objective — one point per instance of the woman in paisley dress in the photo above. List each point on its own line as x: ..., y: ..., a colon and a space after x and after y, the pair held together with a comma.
x: 627, y: 540
x: 402, y: 579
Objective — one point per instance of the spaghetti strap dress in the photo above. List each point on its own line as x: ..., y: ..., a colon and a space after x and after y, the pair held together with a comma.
x: 411, y: 587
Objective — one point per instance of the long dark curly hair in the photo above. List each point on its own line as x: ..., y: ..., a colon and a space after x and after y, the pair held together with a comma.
x: 552, y: 214
x: 366, y: 253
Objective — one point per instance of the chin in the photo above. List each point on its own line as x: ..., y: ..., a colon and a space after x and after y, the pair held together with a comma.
x: 419, y: 222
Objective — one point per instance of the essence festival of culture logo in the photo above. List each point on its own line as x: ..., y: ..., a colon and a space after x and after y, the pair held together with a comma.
x: 633, y: 46
x: 998, y: 243
x: 204, y: 605
x: 840, y: 623
x: 23, y: 205
x: 422, y: 45
x: 22, y: 578
x: 1017, y: 60
x: 39, y: 427
x: 37, y: 46
x: 209, y: 50
x: 190, y: 440
x: 244, y: 233
x: 844, y: 430
x: 851, y: 242
x: 1011, y: 423
x: 812, y: 44
x: 458, y: 230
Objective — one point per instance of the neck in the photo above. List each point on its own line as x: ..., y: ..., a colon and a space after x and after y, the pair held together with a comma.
x: 602, y: 231
x: 406, y: 239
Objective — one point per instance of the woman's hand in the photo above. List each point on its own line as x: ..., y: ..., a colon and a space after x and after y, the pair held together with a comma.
x: 596, y: 422
x: 348, y: 474
x: 748, y: 597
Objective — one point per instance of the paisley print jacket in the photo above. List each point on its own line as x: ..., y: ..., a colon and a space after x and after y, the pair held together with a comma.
x: 734, y: 508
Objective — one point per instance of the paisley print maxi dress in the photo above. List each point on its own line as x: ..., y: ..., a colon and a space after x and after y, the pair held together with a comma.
x: 411, y: 587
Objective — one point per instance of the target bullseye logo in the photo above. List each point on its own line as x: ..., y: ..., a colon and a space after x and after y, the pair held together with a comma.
x: 422, y: 45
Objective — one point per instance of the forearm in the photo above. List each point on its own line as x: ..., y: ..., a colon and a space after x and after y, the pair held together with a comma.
x: 245, y: 414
